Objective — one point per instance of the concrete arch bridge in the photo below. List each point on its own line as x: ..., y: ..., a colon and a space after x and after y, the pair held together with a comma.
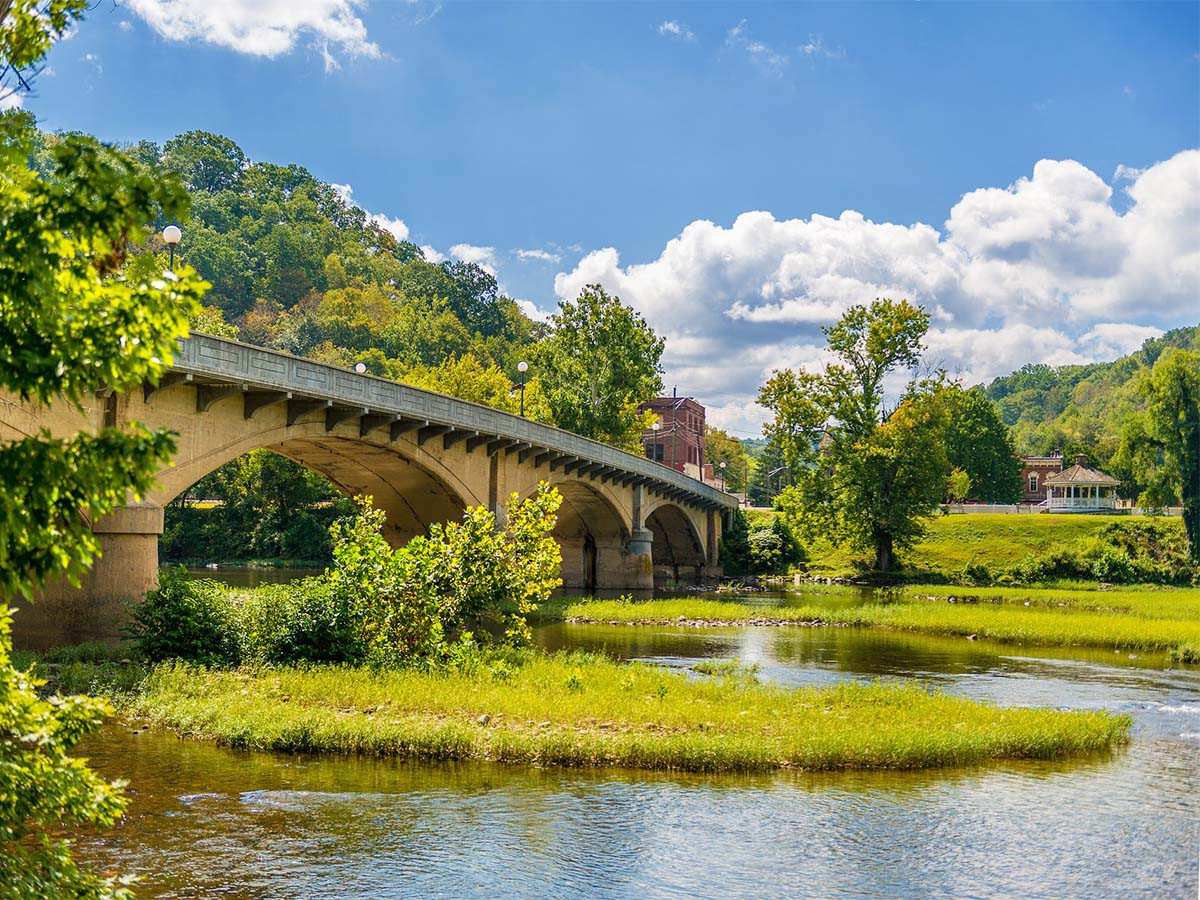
x: 424, y: 457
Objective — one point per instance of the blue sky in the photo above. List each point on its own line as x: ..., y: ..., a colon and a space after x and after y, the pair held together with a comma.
x: 592, y: 136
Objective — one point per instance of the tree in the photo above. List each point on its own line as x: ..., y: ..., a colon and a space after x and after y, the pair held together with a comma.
x: 75, y: 316
x: 979, y: 444
x: 863, y: 476
x: 958, y: 486
x: 722, y: 448
x: 1171, y: 427
x: 599, y: 361
x: 205, y: 161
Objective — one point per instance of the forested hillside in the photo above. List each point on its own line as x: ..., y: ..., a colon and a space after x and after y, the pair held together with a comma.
x: 1079, y: 409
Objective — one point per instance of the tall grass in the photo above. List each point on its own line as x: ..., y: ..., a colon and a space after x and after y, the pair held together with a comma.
x: 585, y: 710
x: 1147, y: 621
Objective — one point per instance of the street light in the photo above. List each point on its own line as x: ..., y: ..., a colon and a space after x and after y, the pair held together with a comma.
x: 171, y: 234
x: 522, y: 367
x: 360, y: 368
x: 655, y: 428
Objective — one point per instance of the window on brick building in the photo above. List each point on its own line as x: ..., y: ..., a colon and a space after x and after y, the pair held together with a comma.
x: 1033, y: 483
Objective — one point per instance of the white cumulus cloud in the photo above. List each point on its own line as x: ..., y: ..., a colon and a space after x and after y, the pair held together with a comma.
x: 539, y: 255
x: 769, y: 61
x: 672, y: 28
x: 484, y: 257
x: 1046, y: 269
x: 267, y: 28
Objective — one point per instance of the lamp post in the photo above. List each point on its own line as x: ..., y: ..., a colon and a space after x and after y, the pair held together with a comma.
x: 724, y: 486
x: 522, y: 367
x: 656, y: 427
x: 171, y: 234
x: 360, y: 368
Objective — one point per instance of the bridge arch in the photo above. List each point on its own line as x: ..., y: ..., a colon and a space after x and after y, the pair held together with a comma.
x: 414, y: 489
x: 593, y: 535
x: 678, y: 543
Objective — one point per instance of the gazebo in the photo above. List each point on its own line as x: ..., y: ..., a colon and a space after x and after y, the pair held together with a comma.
x: 1081, y: 489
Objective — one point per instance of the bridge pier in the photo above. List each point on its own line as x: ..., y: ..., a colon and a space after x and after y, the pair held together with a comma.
x: 96, y: 610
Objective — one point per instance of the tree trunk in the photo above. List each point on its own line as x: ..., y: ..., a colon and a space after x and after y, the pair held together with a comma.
x: 883, y: 553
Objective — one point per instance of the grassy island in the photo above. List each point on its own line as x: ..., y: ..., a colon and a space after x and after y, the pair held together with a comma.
x: 575, y: 709
x: 1154, y: 619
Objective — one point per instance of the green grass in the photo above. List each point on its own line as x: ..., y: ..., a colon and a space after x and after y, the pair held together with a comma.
x: 586, y: 710
x: 995, y: 540
x: 1158, y: 619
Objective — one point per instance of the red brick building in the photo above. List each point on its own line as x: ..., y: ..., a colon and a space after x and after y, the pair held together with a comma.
x: 679, y: 440
x: 1034, y: 473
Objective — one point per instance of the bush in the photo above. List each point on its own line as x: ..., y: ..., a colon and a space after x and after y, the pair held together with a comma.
x: 308, y: 621
x: 758, y: 545
x: 185, y: 619
x: 1114, y: 566
x: 467, y: 581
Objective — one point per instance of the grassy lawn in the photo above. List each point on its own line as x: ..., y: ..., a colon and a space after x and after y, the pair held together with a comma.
x: 992, y: 539
x: 584, y: 710
x: 1150, y: 619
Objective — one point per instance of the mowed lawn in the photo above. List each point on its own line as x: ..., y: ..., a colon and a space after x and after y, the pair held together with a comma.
x: 995, y: 540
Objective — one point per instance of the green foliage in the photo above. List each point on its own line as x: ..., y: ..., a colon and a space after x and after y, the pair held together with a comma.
x: 309, y: 621
x: 467, y: 577
x: 44, y: 792
x: 1172, y: 426
x: 958, y: 486
x: 184, y: 618
x: 866, y: 478
x: 721, y: 448
x: 77, y: 316
x: 979, y: 444
x: 464, y: 583
x: 758, y: 544
x: 598, y: 362
x: 267, y: 507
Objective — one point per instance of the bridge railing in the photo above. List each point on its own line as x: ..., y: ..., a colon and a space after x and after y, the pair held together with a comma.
x: 214, y: 361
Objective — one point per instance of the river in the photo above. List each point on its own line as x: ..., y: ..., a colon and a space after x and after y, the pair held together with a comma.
x: 207, y: 821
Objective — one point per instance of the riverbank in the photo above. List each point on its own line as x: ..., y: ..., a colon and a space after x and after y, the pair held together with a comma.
x: 575, y: 709
x: 995, y: 543
x: 1150, y: 619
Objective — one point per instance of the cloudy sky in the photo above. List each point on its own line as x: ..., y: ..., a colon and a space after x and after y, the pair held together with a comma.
x: 740, y: 173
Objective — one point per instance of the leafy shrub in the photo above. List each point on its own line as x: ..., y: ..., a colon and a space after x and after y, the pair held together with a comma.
x: 465, y: 578
x: 1114, y: 566
x: 185, y: 618
x: 308, y: 621
x: 758, y: 545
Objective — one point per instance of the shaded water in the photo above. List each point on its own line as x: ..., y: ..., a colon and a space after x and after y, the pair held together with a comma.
x: 212, y: 822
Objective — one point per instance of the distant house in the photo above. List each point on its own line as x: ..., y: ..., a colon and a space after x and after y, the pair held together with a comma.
x: 1034, y: 473
x: 1081, y: 489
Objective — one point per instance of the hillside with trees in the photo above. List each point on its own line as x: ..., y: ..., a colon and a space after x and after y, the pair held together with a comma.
x: 1080, y: 408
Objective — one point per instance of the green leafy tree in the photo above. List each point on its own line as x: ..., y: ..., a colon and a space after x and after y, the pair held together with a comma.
x: 863, y: 476
x: 75, y: 316
x: 721, y: 448
x: 958, y: 485
x: 979, y: 443
x: 1168, y: 436
x: 598, y: 362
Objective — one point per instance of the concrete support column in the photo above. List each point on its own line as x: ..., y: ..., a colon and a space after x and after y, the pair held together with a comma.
x: 125, y: 570
x: 712, y: 554
x: 641, y: 559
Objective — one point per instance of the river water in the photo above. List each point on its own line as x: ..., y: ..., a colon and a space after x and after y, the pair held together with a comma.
x: 210, y: 822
